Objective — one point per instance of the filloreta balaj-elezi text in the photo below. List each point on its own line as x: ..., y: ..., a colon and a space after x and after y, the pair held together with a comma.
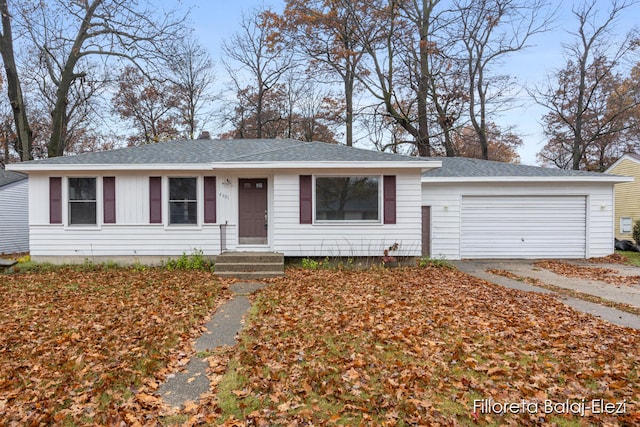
x: 582, y: 407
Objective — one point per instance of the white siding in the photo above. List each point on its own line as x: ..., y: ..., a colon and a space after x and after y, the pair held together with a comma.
x: 132, y: 236
x: 446, y: 202
x: 123, y: 241
x: 346, y: 240
x: 14, y: 217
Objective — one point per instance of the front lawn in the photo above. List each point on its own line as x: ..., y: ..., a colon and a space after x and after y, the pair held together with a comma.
x: 426, y: 346
x: 86, y: 346
x: 414, y: 346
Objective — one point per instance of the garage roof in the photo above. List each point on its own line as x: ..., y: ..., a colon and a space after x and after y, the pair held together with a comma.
x: 465, y: 169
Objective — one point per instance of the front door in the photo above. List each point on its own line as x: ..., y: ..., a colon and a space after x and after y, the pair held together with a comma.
x: 252, y: 207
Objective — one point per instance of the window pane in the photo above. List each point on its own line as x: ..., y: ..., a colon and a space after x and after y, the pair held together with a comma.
x: 82, y: 212
x: 82, y: 189
x: 82, y: 201
x: 182, y: 189
x: 347, y: 198
x: 183, y: 205
x: 183, y: 212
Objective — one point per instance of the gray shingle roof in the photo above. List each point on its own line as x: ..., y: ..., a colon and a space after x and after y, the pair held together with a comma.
x: 464, y: 167
x: 220, y: 151
x: 9, y: 177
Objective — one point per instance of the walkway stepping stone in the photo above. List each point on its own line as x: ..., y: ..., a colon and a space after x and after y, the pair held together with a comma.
x: 188, y: 385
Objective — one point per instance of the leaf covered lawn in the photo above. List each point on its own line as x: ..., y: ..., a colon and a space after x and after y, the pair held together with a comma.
x: 85, y: 347
x: 417, y: 347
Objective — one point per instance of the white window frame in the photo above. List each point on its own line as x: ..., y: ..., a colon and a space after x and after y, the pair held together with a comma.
x: 626, y: 225
x: 78, y: 201
x: 348, y: 221
x: 196, y: 201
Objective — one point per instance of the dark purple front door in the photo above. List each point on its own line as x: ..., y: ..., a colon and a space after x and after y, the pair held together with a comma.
x: 253, y: 211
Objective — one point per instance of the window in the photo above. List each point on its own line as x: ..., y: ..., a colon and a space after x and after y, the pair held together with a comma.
x: 353, y: 198
x: 625, y: 225
x: 82, y: 201
x: 183, y: 202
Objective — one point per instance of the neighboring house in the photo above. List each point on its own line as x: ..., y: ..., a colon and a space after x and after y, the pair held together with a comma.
x: 14, y: 212
x: 627, y: 195
x: 144, y: 204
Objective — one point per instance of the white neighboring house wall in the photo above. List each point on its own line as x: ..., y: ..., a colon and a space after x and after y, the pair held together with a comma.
x: 133, y: 239
x: 445, y: 200
x: 14, y: 217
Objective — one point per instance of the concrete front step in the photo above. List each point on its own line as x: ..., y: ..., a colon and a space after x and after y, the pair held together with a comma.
x: 246, y: 275
x: 250, y: 265
x: 250, y: 257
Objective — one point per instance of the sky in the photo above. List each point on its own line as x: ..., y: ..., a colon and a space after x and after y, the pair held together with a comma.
x: 215, y: 20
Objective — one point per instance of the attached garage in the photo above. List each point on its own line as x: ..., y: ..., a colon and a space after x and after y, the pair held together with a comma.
x: 523, y: 227
x: 484, y: 209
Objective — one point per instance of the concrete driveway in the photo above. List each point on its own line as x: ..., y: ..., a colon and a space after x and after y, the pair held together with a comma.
x: 524, y: 268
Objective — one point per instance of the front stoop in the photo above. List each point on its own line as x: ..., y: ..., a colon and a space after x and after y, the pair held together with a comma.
x: 250, y: 265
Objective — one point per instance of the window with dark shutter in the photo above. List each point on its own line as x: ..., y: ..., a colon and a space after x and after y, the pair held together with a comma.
x: 210, y: 199
x: 109, y: 199
x: 306, y: 196
x: 55, y: 200
x: 389, y: 189
x: 155, y: 200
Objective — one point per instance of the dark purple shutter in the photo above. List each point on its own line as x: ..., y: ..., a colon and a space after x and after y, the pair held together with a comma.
x: 155, y: 200
x: 389, y: 189
x: 55, y: 200
x: 109, y: 199
x: 306, y: 196
x: 210, y: 199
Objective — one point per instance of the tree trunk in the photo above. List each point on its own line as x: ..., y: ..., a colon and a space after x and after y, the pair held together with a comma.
x: 14, y: 89
x: 348, y: 94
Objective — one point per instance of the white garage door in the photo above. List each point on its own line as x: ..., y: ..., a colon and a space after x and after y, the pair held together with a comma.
x: 523, y: 227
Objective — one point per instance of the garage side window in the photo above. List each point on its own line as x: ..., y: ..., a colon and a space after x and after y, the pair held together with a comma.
x: 82, y: 201
x: 347, y: 198
x: 183, y: 201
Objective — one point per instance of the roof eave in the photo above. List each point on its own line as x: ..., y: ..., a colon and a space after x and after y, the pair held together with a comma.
x: 48, y: 167
x: 617, y: 162
x: 524, y: 179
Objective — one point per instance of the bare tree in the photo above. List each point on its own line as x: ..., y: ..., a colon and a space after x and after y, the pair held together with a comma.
x: 65, y: 34
x: 191, y: 71
x: 586, y: 102
x: 151, y: 106
x: 328, y: 34
x: 257, y: 54
x: 489, y: 31
x: 14, y: 86
x: 398, y: 53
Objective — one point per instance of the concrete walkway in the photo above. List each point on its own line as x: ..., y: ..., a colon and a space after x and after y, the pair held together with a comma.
x: 190, y: 383
x: 525, y: 268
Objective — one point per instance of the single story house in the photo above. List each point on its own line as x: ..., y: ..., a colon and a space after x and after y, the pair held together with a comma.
x: 627, y: 195
x: 143, y: 204
x: 14, y: 212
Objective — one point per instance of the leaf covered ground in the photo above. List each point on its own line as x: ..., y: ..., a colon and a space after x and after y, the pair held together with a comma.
x: 87, y: 347
x: 418, y: 347
x: 414, y: 346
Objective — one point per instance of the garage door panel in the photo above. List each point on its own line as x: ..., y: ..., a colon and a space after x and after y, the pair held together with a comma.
x: 523, y: 227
